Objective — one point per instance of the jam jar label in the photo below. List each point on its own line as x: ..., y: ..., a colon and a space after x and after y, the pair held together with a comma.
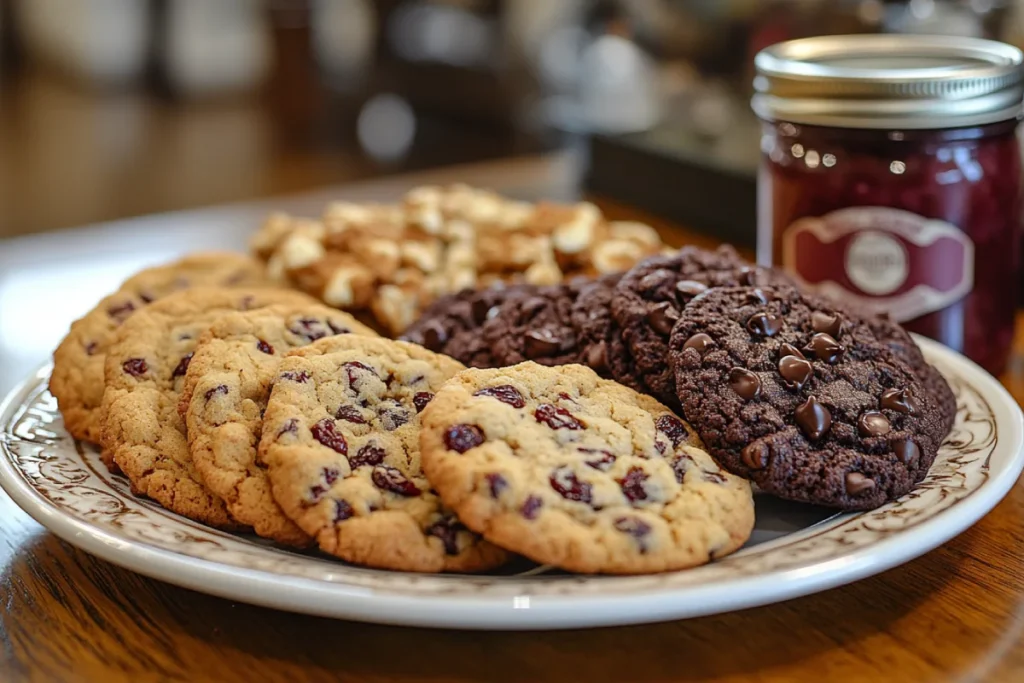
x: 886, y: 259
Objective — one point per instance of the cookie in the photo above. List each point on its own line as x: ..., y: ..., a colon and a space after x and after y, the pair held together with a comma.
x: 77, y: 379
x: 582, y: 473
x: 341, y: 444
x: 535, y: 325
x: 802, y: 398
x: 225, y: 393
x: 451, y: 325
x: 591, y: 319
x: 145, y: 372
x: 649, y: 298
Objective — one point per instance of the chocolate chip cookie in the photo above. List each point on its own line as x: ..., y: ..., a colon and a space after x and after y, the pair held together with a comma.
x: 535, y: 325
x: 145, y: 372
x: 452, y: 324
x: 226, y: 388
x: 77, y: 379
x: 649, y: 298
x: 579, y: 472
x: 341, y: 443
x: 802, y: 398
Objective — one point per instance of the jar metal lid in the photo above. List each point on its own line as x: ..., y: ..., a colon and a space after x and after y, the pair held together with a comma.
x: 889, y: 81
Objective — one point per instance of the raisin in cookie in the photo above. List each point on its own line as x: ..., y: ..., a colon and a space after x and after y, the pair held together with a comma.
x: 77, y: 379
x: 145, y: 372
x: 451, y: 325
x: 341, y: 444
x: 225, y: 393
x: 801, y: 398
x: 649, y: 298
x: 579, y: 472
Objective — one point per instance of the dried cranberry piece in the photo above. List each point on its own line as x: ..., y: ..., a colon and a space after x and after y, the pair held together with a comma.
x: 219, y: 389
x: 556, y: 418
x: 681, y: 466
x: 325, y: 432
x: 448, y: 531
x: 421, y: 399
x: 637, y: 528
x: 392, y: 479
x: 506, y: 393
x: 369, y: 454
x: 289, y: 427
x: 119, y: 313
x: 672, y: 427
x: 531, y: 506
x: 301, y: 377
x: 567, y: 484
x: 714, y: 477
x: 496, y: 483
x: 336, y: 328
x: 136, y: 367
x: 90, y: 348
x: 393, y: 417
x: 342, y: 511
x: 633, y: 484
x: 264, y: 347
x: 309, y: 328
x: 603, y: 461
x: 328, y: 475
x: 460, y: 438
x: 353, y: 369
x: 350, y: 414
x: 182, y: 366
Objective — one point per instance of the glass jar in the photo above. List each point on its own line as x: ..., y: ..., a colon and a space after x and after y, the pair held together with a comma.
x: 891, y: 178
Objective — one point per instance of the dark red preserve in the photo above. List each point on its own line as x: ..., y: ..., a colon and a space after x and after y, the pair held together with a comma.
x: 891, y: 178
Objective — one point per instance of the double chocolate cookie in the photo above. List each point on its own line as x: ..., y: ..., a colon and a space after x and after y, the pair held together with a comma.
x: 650, y: 298
x: 802, y: 398
x: 535, y: 325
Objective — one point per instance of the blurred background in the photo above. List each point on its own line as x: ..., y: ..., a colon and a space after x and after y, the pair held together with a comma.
x: 115, y: 108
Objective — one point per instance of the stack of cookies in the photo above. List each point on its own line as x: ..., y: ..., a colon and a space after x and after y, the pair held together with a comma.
x: 390, y: 261
x: 811, y: 400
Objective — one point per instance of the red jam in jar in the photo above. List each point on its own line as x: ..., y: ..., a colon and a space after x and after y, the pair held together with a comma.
x: 891, y: 178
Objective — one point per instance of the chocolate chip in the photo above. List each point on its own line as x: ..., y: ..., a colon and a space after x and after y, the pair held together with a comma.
x: 898, y: 400
x: 857, y: 483
x: 755, y: 455
x: 434, y: 336
x: 758, y: 296
x: 672, y: 427
x: 764, y: 324
x: 750, y: 276
x: 531, y: 506
x: 136, y: 367
x: 391, y: 479
x: 264, y: 347
x: 350, y: 414
x: 219, y: 389
x: 506, y: 393
x: 556, y: 417
x: 597, y: 357
x: 795, y: 372
x: 663, y: 318
x: 813, y: 418
x: 368, y: 454
x: 460, y: 438
x: 745, y: 383
x: 829, y: 323
x: 420, y: 399
x: 690, y: 288
x: 656, y: 279
x: 632, y: 484
x: 182, y: 365
x: 568, y: 485
x: 496, y: 484
x: 700, y: 343
x: 906, y: 450
x: 541, y: 343
x: 872, y: 423
x: 531, y: 307
x: 790, y: 350
x: 325, y: 432
x: 479, y: 308
x: 825, y: 348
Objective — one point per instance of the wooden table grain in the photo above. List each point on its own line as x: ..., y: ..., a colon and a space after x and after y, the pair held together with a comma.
x: 955, y: 614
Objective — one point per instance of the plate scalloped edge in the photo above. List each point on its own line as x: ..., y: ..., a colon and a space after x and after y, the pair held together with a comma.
x: 70, y: 493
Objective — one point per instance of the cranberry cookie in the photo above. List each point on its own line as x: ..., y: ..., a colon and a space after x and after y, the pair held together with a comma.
x: 579, y: 472
x: 77, y: 379
x: 145, y: 373
x: 649, y: 298
x: 225, y: 393
x: 802, y: 398
x: 341, y: 443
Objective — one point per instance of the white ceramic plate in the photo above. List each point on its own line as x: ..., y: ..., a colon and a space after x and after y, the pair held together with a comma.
x: 796, y: 549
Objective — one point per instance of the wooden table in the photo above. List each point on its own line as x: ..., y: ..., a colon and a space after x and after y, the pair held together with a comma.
x: 956, y: 614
